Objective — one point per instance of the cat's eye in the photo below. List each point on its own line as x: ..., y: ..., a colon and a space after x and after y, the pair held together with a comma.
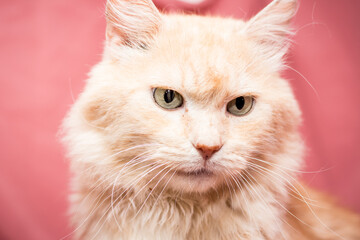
x: 167, y: 98
x: 240, y: 106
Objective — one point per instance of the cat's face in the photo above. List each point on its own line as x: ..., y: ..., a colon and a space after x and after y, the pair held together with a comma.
x: 190, y: 103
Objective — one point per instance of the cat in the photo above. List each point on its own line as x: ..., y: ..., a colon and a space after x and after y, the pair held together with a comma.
x: 186, y: 130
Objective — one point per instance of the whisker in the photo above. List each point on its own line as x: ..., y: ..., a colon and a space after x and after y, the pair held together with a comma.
x: 283, y: 178
x: 242, y: 192
x: 139, y: 191
x: 111, y: 207
x: 306, y: 80
x: 152, y: 191
x: 261, y: 197
x: 94, y: 188
x: 307, y: 204
x: 283, y: 167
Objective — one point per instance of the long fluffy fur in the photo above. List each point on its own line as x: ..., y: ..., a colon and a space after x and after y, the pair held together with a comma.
x: 127, y: 153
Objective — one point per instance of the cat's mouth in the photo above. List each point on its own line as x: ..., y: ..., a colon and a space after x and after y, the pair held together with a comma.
x: 203, y: 172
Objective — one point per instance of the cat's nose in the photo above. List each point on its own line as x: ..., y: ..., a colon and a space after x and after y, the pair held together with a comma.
x: 207, y: 151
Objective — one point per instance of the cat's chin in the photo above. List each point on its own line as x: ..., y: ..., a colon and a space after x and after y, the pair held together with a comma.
x: 201, y: 180
x: 200, y: 173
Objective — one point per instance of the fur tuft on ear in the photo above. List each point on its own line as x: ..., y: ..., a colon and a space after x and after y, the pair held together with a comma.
x: 271, y: 27
x: 131, y: 22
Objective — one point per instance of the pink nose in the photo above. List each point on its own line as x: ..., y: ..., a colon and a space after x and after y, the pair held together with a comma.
x: 207, y: 151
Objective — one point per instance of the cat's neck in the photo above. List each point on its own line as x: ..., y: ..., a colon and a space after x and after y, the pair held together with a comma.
x: 244, y: 214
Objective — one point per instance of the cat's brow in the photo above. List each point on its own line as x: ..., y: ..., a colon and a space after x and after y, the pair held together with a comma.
x: 209, y: 87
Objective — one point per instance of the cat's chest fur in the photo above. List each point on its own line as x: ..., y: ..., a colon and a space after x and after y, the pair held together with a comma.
x: 170, y: 218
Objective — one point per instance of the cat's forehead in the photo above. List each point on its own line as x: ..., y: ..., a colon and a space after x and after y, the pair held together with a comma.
x: 204, y: 57
x: 194, y: 36
x: 204, y: 80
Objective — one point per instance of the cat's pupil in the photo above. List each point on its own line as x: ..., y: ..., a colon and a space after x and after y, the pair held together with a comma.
x: 240, y: 102
x: 169, y: 96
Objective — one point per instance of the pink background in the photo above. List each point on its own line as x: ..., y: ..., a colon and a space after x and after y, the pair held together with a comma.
x: 47, y: 47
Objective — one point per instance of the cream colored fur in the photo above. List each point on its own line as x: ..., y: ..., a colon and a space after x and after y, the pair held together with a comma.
x: 126, y: 152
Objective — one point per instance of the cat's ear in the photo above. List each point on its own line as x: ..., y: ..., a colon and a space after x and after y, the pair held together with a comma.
x: 133, y: 23
x: 271, y: 27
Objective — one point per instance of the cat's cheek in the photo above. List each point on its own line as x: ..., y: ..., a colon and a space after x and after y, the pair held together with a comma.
x: 96, y: 114
x: 101, y: 111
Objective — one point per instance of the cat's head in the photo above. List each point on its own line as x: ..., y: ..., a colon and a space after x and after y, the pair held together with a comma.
x: 187, y: 103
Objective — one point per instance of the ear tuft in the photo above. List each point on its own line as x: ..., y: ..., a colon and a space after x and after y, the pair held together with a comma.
x: 132, y: 23
x: 271, y: 26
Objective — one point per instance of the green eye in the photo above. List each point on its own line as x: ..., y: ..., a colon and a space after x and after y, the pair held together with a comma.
x: 167, y: 98
x: 240, y: 106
